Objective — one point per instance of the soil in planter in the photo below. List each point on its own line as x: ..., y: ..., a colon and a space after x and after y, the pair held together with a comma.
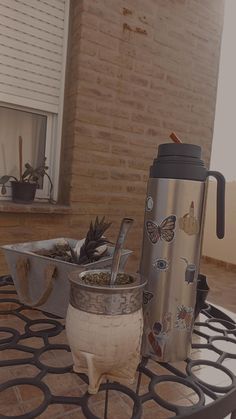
x: 58, y: 252
x: 103, y: 278
x: 61, y: 252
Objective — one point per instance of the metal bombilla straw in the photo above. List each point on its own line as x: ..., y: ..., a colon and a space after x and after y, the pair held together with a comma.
x: 125, y: 226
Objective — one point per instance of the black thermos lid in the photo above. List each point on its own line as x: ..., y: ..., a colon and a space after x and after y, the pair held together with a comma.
x: 179, y: 161
x: 185, y: 150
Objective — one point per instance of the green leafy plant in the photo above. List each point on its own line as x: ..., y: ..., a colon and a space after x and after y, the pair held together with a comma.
x: 31, y: 175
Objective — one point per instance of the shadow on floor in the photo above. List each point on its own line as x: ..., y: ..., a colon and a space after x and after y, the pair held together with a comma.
x: 222, y: 285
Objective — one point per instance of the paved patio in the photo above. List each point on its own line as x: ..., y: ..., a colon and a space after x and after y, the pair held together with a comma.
x: 222, y: 285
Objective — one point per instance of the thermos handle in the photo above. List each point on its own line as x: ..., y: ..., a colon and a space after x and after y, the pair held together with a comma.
x: 220, y: 203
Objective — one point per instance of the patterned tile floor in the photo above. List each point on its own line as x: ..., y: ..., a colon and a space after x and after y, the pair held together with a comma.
x: 19, y: 400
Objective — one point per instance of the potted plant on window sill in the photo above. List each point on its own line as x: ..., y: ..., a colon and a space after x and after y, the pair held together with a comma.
x: 24, y: 188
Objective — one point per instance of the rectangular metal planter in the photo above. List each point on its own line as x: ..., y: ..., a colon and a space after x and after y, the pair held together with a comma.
x: 41, y: 281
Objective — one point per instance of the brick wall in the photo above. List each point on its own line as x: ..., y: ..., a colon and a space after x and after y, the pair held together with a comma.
x: 136, y: 71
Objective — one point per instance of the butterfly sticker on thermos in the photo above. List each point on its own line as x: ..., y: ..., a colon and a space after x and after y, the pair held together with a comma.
x: 147, y: 297
x: 163, y: 231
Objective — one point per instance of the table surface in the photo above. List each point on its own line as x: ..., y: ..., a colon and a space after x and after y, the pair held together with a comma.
x: 37, y: 380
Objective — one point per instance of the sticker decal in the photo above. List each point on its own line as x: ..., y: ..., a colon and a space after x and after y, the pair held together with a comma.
x: 161, y: 264
x: 149, y: 203
x: 164, y: 231
x: 147, y: 297
x: 184, y: 318
x: 189, y: 223
x: 189, y: 271
x: 167, y: 321
x: 158, y: 336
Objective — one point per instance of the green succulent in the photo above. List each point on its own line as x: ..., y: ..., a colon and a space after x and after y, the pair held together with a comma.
x: 29, y: 175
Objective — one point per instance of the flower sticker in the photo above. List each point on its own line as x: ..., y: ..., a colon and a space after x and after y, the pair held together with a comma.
x: 184, y: 318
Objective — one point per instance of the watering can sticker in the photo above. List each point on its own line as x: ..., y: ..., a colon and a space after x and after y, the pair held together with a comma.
x: 189, y: 271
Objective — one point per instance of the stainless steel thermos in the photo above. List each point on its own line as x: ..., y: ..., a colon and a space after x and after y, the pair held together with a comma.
x: 172, y: 236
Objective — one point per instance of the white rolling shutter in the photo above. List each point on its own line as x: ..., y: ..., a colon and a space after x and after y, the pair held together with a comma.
x: 33, y: 36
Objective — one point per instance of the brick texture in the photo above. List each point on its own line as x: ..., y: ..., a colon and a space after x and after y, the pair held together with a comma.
x: 136, y: 71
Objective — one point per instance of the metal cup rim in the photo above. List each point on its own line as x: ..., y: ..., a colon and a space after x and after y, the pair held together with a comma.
x: 75, y: 278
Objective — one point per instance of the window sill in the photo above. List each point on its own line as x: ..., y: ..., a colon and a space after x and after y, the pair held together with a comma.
x: 34, y: 208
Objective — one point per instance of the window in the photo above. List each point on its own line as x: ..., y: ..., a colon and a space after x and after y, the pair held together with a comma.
x: 33, y: 46
x: 35, y: 128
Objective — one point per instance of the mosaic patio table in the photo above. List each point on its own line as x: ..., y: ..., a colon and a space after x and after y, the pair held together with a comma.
x: 37, y: 380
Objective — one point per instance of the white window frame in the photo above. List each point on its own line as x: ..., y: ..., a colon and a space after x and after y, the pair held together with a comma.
x: 54, y: 122
x: 50, y: 139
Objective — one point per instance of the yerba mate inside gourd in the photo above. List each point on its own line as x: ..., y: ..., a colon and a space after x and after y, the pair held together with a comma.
x: 104, y: 278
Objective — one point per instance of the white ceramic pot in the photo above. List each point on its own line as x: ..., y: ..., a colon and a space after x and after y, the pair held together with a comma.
x: 104, y: 326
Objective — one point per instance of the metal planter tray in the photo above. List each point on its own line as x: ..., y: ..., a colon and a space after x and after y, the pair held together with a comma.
x: 41, y: 281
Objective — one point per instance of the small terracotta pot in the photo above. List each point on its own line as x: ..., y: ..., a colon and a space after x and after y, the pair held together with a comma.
x: 104, y: 326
